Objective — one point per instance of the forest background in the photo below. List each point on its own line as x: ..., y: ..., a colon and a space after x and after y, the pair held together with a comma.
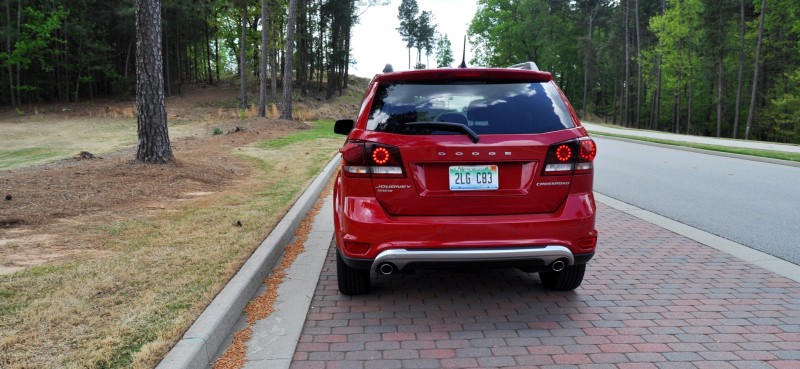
x: 726, y: 68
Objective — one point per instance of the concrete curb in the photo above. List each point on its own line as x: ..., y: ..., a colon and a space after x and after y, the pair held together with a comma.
x: 275, y: 338
x: 203, y: 339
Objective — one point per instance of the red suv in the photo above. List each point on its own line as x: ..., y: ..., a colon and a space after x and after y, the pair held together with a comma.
x: 478, y: 166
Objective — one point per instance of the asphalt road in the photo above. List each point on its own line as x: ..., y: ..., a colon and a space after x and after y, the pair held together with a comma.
x: 752, y: 203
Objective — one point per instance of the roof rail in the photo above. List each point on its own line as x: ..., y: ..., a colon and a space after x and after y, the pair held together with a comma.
x: 526, y: 65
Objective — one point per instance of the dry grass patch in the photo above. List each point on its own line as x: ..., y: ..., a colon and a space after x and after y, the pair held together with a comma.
x: 43, y: 139
x: 157, y: 270
x: 299, y: 112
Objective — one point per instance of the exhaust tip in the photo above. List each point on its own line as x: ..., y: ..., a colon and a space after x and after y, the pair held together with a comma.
x: 558, y: 265
x: 386, y: 268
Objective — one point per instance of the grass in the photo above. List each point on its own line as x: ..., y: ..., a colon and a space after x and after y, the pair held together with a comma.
x: 126, y: 308
x: 322, y: 129
x: 38, y: 140
x: 733, y: 150
x: 20, y: 157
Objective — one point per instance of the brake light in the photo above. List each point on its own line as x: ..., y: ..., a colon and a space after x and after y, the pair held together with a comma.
x: 380, y: 155
x: 570, y: 157
x: 588, y: 149
x: 563, y: 153
x: 371, y: 159
x: 468, y: 74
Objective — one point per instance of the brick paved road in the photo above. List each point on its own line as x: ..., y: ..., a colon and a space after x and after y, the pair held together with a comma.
x: 651, y: 299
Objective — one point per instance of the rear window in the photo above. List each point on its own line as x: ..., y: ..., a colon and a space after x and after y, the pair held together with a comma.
x: 486, y: 108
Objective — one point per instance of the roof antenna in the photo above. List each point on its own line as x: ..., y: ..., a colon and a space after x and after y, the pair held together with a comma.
x: 388, y: 69
x: 464, y: 54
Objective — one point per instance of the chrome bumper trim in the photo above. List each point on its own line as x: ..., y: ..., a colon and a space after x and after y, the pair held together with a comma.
x: 401, y: 257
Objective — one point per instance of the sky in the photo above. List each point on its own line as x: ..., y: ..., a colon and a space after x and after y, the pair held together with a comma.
x: 376, y: 42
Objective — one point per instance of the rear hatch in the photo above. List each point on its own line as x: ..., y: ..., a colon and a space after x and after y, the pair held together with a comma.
x: 426, y: 163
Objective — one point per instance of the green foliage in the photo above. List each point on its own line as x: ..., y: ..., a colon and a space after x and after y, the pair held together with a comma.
x: 37, y: 36
x: 689, y: 53
x: 781, y: 121
x: 506, y: 32
x: 79, y: 49
x: 416, y: 29
x: 407, y: 14
x: 426, y: 33
x: 321, y: 129
x: 679, y: 41
x: 444, y: 52
x: 216, y: 131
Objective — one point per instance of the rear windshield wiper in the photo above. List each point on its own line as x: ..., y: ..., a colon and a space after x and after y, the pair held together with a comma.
x: 445, y: 126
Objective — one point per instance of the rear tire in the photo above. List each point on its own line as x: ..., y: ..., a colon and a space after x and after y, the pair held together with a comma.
x: 351, y: 281
x: 567, y: 279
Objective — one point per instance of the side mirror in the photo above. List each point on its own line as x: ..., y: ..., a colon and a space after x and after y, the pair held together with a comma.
x: 343, y: 126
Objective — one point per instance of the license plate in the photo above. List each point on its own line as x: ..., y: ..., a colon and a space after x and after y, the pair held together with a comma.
x: 474, y: 177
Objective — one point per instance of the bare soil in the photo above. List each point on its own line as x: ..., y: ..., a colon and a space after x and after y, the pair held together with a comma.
x: 36, y: 202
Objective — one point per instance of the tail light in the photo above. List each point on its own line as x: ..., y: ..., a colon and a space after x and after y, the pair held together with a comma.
x: 372, y: 160
x: 570, y: 157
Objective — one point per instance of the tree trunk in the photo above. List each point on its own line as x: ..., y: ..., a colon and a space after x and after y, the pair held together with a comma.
x: 617, y: 102
x: 657, y: 98
x: 178, y: 59
x: 193, y: 67
x: 262, y: 90
x: 273, y: 66
x: 690, y: 98
x: 677, y: 113
x: 66, y: 62
x: 335, y: 31
x: 58, y: 70
x: 587, y: 59
x: 346, y: 58
x: 8, y: 51
x: 751, y: 113
x: 720, y: 71
x: 288, y: 66
x: 320, y: 53
x: 302, y: 72
x: 273, y: 72
x: 243, y: 104
x: 657, y: 93
x: 638, y: 68
x: 740, y: 76
x: 312, y: 60
x: 166, y: 64
x: 151, y: 119
x: 19, y: 67
x: 127, y: 58
x: 256, y: 47
x: 626, y: 93
x: 78, y: 83
x: 216, y: 52
x: 208, y: 47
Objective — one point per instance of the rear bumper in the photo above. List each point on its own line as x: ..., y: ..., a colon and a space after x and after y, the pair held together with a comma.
x: 531, y: 259
x: 367, y: 237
